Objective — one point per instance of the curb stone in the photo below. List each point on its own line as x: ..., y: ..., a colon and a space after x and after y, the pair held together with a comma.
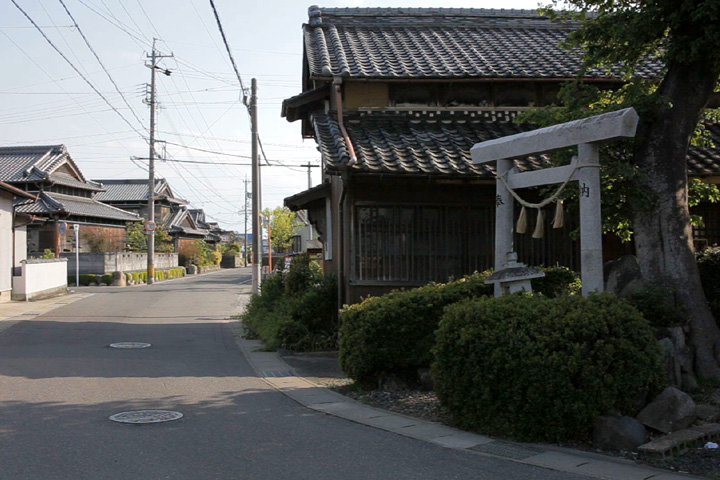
x: 278, y: 374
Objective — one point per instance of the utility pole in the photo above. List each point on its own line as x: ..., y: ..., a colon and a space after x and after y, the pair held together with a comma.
x: 150, y: 225
x: 256, y: 226
x: 245, y: 211
x: 309, y: 166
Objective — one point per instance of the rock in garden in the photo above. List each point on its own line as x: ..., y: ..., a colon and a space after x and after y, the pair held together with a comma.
x: 673, y: 373
x: 708, y: 413
x: 622, y: 275
x: 618, y: 433
x: 670, y: 411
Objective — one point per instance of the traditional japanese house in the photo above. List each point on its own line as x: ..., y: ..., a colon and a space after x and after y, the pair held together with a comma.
x: 395, y: 99
x: 170, y: 212
x: 63, y: 195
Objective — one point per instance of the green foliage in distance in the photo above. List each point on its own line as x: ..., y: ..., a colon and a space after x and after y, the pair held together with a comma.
x: 137, y: 238
x: 283, y: 227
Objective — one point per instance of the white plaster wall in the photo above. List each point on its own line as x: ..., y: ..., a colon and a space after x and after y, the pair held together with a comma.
x: 40, y: 276
x: 6, y: 241
x: 20, y: 245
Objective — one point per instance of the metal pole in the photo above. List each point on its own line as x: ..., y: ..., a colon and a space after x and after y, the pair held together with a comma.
x: 256, y: 227
x: 77, y: 254
x: 270, y: 269
x: 151, y: 179
x: 245, y: 249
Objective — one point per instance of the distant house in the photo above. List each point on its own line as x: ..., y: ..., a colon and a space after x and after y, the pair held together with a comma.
x: 395, y: 99
x: 216, y: 234
x: 13, y: 237
x: 64, y: 195
x: 170, y: 212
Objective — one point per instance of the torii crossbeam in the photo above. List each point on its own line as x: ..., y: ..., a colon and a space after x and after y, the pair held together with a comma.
x: 586, y: 134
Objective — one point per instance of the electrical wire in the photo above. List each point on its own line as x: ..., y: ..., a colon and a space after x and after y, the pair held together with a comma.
x: 75, y: 68
x: 97, y: 57
x: 227, y: 47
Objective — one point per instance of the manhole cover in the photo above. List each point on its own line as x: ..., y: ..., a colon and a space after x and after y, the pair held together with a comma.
x: 146, y: 416
x: 130, y: 345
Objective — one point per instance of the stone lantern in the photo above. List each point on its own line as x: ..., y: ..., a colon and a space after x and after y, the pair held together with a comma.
x: 515, y: 278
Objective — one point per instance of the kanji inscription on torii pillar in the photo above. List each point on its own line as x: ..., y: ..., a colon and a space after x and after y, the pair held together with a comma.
x: 585, y: 168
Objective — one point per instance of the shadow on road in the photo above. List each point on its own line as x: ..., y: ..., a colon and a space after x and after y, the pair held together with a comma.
x: 51, y: 349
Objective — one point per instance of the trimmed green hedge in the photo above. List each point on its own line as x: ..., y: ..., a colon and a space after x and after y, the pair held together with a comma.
x: 542, y: 369
x: 392, y: 335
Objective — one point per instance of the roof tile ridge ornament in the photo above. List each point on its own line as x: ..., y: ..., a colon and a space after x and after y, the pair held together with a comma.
x: 315, y: 16
x: 339, y: 52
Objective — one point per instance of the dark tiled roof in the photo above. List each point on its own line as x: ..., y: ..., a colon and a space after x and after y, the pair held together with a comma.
x: 29, y: 163
x: 706, y: 161
x: 70, y: 181
x: 67, y: 204
x: 38, y: 163
x: 438, y: 143
x: 128, y: 190
x: 427, y: 143
x: 442, y: 43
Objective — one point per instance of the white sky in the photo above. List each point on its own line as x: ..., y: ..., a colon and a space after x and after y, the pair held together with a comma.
x: 44, y: 101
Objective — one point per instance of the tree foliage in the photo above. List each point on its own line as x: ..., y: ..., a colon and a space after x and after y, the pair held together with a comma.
x: 283, y: 227
x: 137, y: 238
x: 682, y: 38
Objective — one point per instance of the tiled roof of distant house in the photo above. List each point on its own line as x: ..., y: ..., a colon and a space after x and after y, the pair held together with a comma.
x: 407, y: 43
x: 427, y: 143
x: 132, y: 190
x: 703, y: 161
x: 72, y: 205
x: 38, y: 163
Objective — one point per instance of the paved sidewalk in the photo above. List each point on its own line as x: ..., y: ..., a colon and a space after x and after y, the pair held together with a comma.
x: 280, y: 375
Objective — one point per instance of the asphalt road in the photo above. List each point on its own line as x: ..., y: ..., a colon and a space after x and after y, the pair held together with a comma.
x: 59, y: 383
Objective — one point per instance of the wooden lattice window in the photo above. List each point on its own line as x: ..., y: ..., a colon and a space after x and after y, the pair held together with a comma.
x: 419, y: 244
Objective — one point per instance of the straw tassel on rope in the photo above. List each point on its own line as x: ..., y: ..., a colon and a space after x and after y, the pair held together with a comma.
x: 539, y: 225
x: 521, y: 226
x: 559, y: 221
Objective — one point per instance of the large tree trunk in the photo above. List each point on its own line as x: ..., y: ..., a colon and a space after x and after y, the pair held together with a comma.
x: 663, y: 235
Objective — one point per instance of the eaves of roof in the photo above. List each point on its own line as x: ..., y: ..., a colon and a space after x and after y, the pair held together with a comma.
x: 302, y: 200
x: 16, y: 191
x: 438, y: 143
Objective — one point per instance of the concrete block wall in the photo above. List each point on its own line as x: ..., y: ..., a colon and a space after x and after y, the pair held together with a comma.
x: 101, y: 263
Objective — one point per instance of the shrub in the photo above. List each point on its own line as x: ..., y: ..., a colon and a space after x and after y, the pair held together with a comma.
x: 657, y: 305
x: 215, y: 257
x: 393, y: 335
x: 303, y: 274
x: 557, y: 281
x: 542, y: 369
x: 306, y: 320
x: 107, y: 279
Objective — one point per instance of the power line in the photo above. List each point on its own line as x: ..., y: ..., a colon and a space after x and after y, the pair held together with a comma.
x: 97, y: 57
x: 227, y: 47
x: 75, y: 68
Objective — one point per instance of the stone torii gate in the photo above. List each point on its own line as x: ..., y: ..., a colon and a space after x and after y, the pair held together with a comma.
x: 586, y: 133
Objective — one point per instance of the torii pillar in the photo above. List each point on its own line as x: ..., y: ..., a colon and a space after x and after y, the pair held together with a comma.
x: 586, y: 133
